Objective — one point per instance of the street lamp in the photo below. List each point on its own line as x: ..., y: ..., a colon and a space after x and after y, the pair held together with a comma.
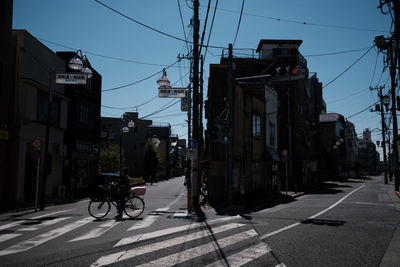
x: 124, y: 128
x: 163, y: 81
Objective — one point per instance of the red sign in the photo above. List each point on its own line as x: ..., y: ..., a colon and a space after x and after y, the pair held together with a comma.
x: 36, y: 143
x: 35, y: 153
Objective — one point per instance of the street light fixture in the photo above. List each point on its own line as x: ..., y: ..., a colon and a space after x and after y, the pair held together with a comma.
x: 386, y: 101
x: 163, y: 81
x: 124, y: 129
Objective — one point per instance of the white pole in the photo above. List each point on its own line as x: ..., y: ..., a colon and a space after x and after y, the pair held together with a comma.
x: 37, y: 183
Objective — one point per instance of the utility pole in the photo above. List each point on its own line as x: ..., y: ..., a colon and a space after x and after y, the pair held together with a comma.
x: 381, y: 98
x: 195, y: 177
x: 229, y: 145
x: 393, y: 68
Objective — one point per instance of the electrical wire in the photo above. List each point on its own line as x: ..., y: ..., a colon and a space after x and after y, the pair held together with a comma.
x: 376, y: 62
x: 138, y: 81
x: 100, y: 55
x: 362, y: 110
x: 348, y: 67
x: 238, y: 26
x: 337, y: 53
x: 146, y: 26
x: 344, y: 98
x: 209, y: 33
x: 165, y: 107
x: 304, y: 22
x: 133, y: 107
x: 183, y: 27
x: 205, y: 26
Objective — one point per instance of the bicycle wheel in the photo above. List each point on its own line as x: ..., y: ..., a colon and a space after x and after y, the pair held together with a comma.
x: 99, y: 209
x: 134, y: 206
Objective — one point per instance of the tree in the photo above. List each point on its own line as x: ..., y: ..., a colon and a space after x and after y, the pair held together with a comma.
x: 109, y: 158
x: 151, y: 162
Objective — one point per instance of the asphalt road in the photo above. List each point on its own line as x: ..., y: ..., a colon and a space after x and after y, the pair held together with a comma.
x: 341, y: 224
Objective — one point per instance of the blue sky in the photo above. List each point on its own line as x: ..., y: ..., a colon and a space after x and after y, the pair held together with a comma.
x: 329, y: 26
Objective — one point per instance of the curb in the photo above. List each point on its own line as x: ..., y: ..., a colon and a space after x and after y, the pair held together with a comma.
x: 397, y: 193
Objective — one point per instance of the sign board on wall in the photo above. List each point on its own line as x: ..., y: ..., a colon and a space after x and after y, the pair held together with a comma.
x: 71, y: 78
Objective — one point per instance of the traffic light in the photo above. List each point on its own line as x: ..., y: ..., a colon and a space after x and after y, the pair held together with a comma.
x: 279, y: 72
x: 226, y: 132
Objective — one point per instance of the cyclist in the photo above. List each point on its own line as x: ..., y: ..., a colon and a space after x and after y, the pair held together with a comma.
x: 122, y: 185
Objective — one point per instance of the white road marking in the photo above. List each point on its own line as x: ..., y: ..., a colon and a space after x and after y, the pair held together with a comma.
x: 369, y: 203
x: 9, y: 225
x: 281, y: 265
x: 43, y: 224
x: 98, y: 231
x: 36, y: 241
x: 202, y: 250
x: 6, y: 237
x: 311, y: 217
x: 181, y: 214
x: 133, y: 239
x: 152, y: 217
x: 146, y: 222
x: 244, y: 256
x: 124, y: 255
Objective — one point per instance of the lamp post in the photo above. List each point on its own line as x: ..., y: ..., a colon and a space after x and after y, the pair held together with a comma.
x: 77, y: 63
x: 124, y: 128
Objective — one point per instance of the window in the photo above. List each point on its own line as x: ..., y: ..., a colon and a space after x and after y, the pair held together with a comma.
x: 41, y: 109
x: 256, y: 125
x: 86, y: 116
x: 271, y: 130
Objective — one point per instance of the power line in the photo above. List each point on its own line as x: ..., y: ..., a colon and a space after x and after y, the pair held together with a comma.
x: 348, y: 67
x: 362, y: 110
x: 165, y: 107
x: 209, y: 33
x: 136, y: 82
x: 183, y: 26
x: 238, y: 26
x: 337, y: 53
x: 100, y: 55
x: 133, y: 106
x: 148, y: 27
x: 355, y: 93
x: 305, y: 23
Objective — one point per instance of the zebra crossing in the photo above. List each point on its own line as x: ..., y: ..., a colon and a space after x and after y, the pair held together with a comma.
x: 220, y: 242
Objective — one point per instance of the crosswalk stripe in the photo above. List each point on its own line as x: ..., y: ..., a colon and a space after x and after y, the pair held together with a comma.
x: 43, y: 224
x: 244, y: 256
x: 101, y: 229
x: 147, y: 221
x: 133, y: 239
x: 201, y: 250
x: 124, y: 255
x: 36, y: 241
x: 6, y: 237
x: 9, y: 225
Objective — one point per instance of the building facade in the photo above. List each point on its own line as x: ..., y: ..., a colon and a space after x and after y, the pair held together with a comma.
x: 6, y: 93
x: 34, y: 77
x: 82, y: 136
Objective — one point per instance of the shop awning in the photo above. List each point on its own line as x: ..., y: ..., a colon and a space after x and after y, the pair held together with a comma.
x: 273, y: 155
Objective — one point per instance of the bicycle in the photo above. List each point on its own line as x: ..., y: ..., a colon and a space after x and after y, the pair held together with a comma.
x: 100, y: 203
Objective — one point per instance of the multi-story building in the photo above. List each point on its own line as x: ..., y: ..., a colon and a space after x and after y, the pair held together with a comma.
x: 351, y: 143
x: 6, y: 93
x: 296, y: 124
x: 82, y: 136
x: 333, y: 147
x: 33, y: 74
x: 367, y: 154
x: 133, y: 142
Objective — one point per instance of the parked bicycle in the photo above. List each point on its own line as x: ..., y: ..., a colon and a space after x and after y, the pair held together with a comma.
x: 100, y: 203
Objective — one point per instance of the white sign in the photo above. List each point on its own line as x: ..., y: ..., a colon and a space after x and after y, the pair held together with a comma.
x: 71, y: 78
x: 172, y: 92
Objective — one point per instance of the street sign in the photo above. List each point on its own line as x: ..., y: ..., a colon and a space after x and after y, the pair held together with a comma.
x: 284, y: 153
x: 71, y: 78
x: 172, y: 92
x: 35, y: 153
x: 36, y: 143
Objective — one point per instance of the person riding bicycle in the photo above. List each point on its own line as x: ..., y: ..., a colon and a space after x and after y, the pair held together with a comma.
x: 122, y: 185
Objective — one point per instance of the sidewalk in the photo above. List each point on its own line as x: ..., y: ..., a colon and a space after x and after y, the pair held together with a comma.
x: 392, y: 255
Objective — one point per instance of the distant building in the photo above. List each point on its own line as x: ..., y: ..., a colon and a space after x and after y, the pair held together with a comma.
x: 367, y: 154
x: 333, y: 147
x: 133, y: 142
x: 351, y: 143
